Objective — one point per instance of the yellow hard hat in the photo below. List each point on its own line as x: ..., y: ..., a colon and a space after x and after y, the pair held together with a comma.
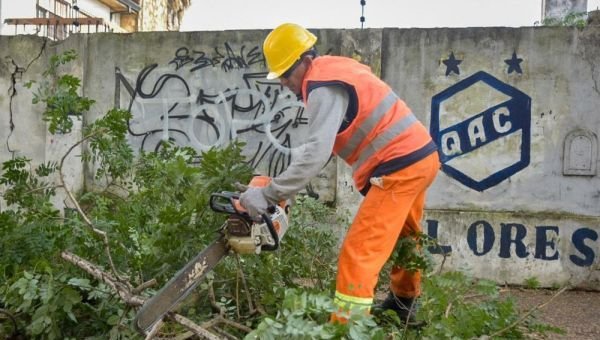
x: 284, y: 46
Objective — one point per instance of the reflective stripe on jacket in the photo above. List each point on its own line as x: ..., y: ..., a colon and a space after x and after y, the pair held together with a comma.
x: 379, y: 134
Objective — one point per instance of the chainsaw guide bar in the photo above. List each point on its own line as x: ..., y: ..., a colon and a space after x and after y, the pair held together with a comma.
x: 180, y: 286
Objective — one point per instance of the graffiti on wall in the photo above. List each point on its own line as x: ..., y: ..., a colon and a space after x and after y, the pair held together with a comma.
x: 226, y: 57
x: 482, y: 126
x: 481, y: 118
x: 510, y: 240
x: 205, y: 100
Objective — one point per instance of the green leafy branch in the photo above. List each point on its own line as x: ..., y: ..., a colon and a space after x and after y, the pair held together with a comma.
x: 60, y: 95
x: 571, y: 19
x: 410, y: 252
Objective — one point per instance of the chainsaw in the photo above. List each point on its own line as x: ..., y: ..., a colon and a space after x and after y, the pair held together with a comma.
x: 240, y: 234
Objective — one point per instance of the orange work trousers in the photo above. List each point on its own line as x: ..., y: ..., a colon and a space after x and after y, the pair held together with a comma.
x: 392, y: 208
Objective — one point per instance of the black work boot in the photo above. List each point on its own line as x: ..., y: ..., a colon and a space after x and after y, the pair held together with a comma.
x: 405, y: 308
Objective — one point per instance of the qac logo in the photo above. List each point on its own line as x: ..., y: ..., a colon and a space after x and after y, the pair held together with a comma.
x: 482, y: 127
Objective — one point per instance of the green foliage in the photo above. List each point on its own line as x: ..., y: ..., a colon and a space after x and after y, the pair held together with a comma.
x: 456, y: 306
x: 165, y: 219
x: 161, y: 224
x: 532, y: 283
x: 27, y: 244
x: 220, y: 168
x: 46, y: 299
x: 409, y: 253
x: 29, y: 190
x: 29, y: 233
x: 108, y: 144
x: 310, y: 246
x: 60, y: 95
x: 306, y: 316
x: 452, y: 306
x: 572, y: 19
x: 35, y: 284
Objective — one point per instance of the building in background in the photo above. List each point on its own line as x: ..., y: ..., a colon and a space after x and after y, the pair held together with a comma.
x: 560, y: 8
x: 57, y: 19
x: 162, y: 15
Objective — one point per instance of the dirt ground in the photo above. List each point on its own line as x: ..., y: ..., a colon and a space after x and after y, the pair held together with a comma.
x: 577, y: 313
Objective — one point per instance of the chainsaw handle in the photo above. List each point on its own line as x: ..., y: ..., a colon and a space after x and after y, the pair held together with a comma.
x: 272, y: 231
x: 227, y: 202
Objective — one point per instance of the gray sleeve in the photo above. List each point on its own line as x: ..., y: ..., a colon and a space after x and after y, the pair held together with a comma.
x: 326, y: 107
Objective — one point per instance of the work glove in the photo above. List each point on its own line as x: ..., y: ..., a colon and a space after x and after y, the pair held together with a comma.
x: 254, y: 201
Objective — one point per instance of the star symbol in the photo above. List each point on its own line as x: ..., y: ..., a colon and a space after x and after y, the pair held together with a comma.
x: 514, y: 64
x: 452, y: 64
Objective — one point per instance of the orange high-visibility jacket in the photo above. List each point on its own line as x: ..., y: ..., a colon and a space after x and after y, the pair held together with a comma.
x: 379, y: 134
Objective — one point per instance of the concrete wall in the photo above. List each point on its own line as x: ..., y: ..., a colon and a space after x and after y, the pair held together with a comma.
x: 514, y: 110
x: 515, y: 113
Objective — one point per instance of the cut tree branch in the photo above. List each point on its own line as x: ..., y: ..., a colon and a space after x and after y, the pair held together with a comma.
x: 86, y: 219
x: 125, y: 293
x: 526, y: 315
x: 189, y: 324
x: 119, y: 287
x: 220, y: 319
x: 144, y: 285
x: 154, y: 330
x: 245, y: 284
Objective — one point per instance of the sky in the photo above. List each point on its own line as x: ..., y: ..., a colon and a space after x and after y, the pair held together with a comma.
x: 208, y: 15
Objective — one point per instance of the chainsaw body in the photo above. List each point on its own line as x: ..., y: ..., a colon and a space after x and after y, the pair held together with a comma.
x: 245, y: 235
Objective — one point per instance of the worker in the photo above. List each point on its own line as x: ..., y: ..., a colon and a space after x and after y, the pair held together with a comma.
x: 359, y: 118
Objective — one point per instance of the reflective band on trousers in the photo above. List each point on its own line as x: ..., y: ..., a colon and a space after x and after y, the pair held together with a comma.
x: 384, y: 138
x: 368, y: 125
x: 348, y: 303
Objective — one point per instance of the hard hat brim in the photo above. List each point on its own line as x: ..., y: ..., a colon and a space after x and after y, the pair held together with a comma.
x: 272, y: 75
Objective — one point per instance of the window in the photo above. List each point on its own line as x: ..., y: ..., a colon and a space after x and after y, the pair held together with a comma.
x: 41, y: 12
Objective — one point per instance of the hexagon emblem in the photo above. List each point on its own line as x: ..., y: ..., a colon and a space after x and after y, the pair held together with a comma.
x: 482, y: 127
